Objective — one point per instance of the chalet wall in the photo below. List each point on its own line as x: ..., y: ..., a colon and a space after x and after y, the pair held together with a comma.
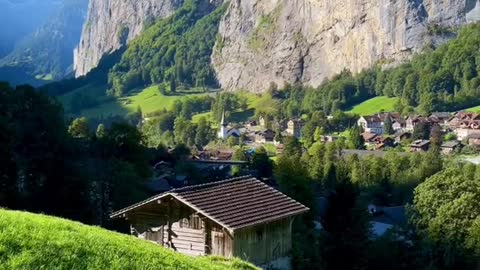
x: 180, y: 229
x: 264, y: 243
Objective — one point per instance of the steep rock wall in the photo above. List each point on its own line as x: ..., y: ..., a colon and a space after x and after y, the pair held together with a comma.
x: 265, y: 41
x: 110, y: 24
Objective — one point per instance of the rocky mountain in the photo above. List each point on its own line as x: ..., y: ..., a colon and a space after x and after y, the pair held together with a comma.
x: 262, y: 42
x: 110, y: 24
x: 309, y: 40
x: 18, y: 18
x: 47, y: 52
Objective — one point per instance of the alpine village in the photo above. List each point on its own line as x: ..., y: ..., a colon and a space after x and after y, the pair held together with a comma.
x: 239, y: 134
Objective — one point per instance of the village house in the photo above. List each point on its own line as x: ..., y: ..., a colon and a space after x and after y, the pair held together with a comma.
x: 369, y: 138
x: 450, y: 147
x: 440, y: 118
x: 262, y: 121
x: 399, y: 125
x: 382, y: 142
x: 240, y: 217
x: 420, y: 146
x: 371, y: 124
x: 264, y: 136
x: 401, y: 136
x: 465, y: 124
x: 413, y: 121
x: 375, y: 123
x: 294, y: 128
x: 474, y: 140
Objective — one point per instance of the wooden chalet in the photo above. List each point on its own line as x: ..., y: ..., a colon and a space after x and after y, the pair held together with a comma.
x: 240, y: 217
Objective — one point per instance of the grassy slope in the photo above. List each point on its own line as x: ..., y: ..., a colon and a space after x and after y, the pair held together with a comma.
x: 474, y: 109
x: 148, y: 99
x: 29, y: 241
x: 374, y: 105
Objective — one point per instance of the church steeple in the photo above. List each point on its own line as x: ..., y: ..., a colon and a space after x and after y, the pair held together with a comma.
x: 223, y: 122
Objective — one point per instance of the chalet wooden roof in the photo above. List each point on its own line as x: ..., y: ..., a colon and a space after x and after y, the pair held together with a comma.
x: 234, y: 203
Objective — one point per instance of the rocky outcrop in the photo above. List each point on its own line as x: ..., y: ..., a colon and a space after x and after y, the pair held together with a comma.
x: 110, y: 24
x: 307, y: 41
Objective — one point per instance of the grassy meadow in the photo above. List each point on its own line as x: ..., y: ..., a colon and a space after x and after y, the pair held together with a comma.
x: 30, y: 241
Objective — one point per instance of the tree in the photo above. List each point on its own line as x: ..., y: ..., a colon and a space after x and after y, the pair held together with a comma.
x: 162, y: 89
x: 79, y: 128
x: 204, y: 133
x: 355, y: 139
x: 444, y: 212
x: 436, y: 136
x: 387, y: 126
x: 173, y: 84
x: 262, y: 163
x: 232, y: 141
x: 421, y: 131
x: 238, y: 155
x: 292, y: 147
x: 346, y: 229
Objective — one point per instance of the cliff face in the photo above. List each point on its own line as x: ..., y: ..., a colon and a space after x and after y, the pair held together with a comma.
x: 264, y: 41
x: 110, y: 24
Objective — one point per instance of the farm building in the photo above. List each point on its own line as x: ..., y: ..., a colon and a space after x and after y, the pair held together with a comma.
x: 240, y: 217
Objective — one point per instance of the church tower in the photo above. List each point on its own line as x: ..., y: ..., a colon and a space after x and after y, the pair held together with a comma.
x: 223, y: 133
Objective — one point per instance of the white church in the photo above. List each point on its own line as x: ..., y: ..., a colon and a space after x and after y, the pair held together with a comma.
x: 225, y: 131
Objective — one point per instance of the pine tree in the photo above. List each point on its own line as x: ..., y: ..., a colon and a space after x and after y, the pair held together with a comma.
x: 388, y: 126
x: 355, y: 139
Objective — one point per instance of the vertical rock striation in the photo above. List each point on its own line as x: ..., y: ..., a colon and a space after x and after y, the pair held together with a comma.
x: 110, y: 24
x: 265, y: 41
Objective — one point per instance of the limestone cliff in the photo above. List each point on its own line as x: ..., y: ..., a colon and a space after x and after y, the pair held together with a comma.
x: 264, y: 41
x: 110, y: 24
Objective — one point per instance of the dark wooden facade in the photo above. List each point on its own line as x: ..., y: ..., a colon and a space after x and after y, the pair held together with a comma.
x: 240, y: 217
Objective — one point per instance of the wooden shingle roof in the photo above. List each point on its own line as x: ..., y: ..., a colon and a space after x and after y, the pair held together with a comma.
x: 234, y: 203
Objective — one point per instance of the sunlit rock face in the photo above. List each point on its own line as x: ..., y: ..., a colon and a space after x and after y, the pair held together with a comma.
x: 110, y: 24
x: 474, y: 15
x: 280, y: 41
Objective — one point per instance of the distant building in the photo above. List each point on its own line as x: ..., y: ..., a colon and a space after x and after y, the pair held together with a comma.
x: 225, y: 131
x: 294, y: 128
x: 450, y: 147
x: 413, y: 121
x: 401, y: 136
x: 383, y: 142
x: 262, y: 121
x: 420, y: 146
x: 264, y: 136
x: 465, y: 124
x: 474, y: 140
x: 440, y: 118
x: 371, y: 124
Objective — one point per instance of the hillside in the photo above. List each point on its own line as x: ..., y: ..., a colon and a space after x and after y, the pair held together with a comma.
x: 46, y: 53
x: 282, y: 41
x: 374, y: 105
x: 29, y: 241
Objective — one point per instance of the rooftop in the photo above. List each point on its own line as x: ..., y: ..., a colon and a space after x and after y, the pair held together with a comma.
x: 234, y: 203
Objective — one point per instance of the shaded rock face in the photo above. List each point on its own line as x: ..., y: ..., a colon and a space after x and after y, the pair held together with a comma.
x: 110, y: 24
x: 307, y: 41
